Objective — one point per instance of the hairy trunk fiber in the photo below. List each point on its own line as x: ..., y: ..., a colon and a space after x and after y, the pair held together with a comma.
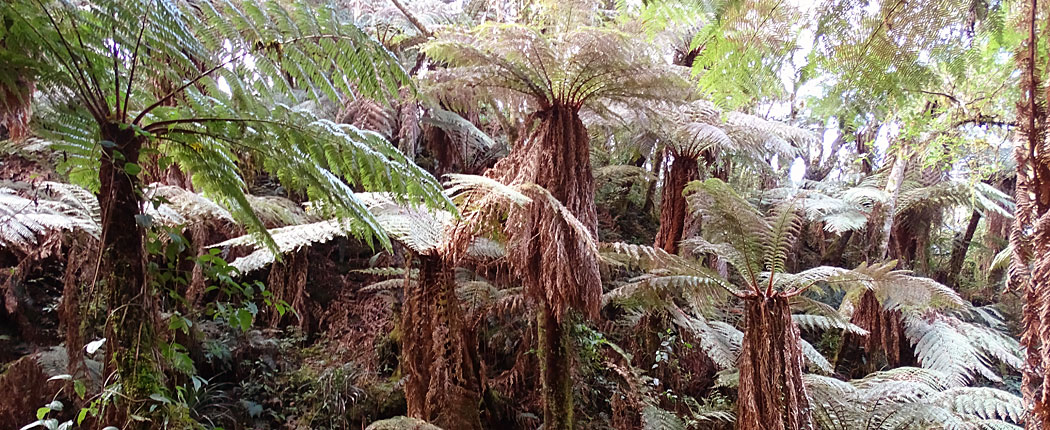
x: 672, y: 204
x: 438, y: 354
x: 1030, y: 236
x: 287, y: 282
x: 555, y: 264
x: 771, y: 394
x: 446, y: 153
x: 959, y: 248
x: 885, y: 346
x: 1030, y: 266
x: 16, y: 109
x: 130, y: 329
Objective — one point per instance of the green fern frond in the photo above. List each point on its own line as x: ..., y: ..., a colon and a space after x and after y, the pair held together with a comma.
x: 462, y: 131
x: 55, y: 207
x: 721, y: 342
x: 517, y: 63
x: 958, y: 349
x: 1001, y: 261
x: 386, y: 272
x: 655, y: 418
x: 824, y: 323
x: 209, y: 104
x: 383, y: 286
x: 785, y: 226
x: 816, y: 361
x: 982, y: 402
x: 288, y: 239
x: 172, y: 206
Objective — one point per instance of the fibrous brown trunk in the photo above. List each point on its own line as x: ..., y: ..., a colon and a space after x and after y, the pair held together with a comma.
x: 556, y: 266
x: 448, y: 155
x: 673, y: 208
x: 16, y: 108
x: 771, y: 395
x: 130, y: 329
x: 1030, y: 236
x: 287, y: 282
x: 885, y: 346
x: 438, y: 353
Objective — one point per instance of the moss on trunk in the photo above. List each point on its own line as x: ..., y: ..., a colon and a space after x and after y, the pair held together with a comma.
x: 130, y: 328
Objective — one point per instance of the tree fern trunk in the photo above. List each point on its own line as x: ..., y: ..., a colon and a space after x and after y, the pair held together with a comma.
x: 438, y: 353
x: 673, y: 210
x: 555, y: 371
x: 556, y: 267
x: 771, y: 394
x: 130, y: 329
x: 885, y: 346
x: 16, y: 109
x: 1030, y: 265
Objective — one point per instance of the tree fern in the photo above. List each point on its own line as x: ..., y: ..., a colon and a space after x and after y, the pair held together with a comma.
x: 910, y: 398
x: 231, y: 67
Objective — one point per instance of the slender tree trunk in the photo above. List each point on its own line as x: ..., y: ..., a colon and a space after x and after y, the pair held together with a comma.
x: 650, y: 193
x: 438, y: 353
x: 881, y: 221
x: 771, y: 394
x: 130, y: 329
x: 959, y: 248
x: 673, y: 211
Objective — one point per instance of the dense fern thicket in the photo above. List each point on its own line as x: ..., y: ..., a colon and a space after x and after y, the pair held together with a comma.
x: 474, y: 214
